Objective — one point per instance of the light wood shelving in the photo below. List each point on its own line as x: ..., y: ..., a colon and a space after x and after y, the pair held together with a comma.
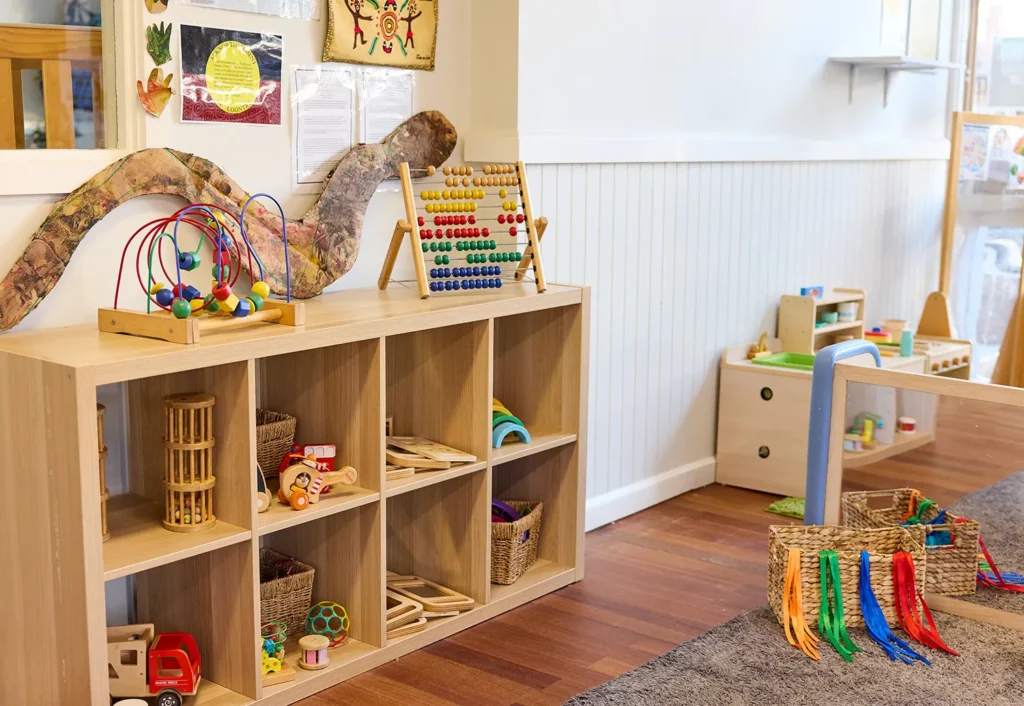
x: 799, y: 314
x: 433, y: 365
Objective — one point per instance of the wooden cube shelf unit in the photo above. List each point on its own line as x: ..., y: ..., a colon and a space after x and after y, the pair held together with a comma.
x: 433, y: 365
x: 798, y: 314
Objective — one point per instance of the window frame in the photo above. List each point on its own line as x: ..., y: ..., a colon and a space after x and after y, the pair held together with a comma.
x: 59, y: 171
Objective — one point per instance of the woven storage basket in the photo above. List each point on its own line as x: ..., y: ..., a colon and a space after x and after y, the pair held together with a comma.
x: 847, y: 542
x: 275, y: 434
x: 511, y: 555
x: 952, y: 568
x: 286, y: 599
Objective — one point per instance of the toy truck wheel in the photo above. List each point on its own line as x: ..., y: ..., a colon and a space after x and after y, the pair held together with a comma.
x: 168, y: 698
x: 282, y: 497
x: 299, y: 500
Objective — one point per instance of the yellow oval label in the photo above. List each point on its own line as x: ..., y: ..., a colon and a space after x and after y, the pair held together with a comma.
x: 233, y: 77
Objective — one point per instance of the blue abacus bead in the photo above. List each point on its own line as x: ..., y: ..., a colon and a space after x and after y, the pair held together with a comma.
x: 433, y: 273
x: 465, y: 284
x: 456, y: 286
x: 487, y: 284
x: 225, y: 242
x: 433, y: 286
x: 164, y: 297
x: 447, y: 272
x: 190, y: 293
x: 185, y: 261
x: 242, y: 309
x: 448, y: 286
x: 476, y: 271
x: 497, y: 283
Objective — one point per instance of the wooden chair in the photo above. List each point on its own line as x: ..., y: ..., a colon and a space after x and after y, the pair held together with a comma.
x: 56, y: 50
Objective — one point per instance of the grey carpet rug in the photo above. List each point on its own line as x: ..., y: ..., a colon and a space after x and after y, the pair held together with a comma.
x: 995, y: 507
x: 748, y: 661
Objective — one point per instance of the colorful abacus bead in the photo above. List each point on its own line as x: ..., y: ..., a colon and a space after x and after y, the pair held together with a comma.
x: 221, y: 292
x: 197, y: 306
x: 156, y: 287
x: 164, y: 297
x: 262, y: 289
x: 181, y: 308
x: 230, y: 304
x: 224, y: 257
x: 188, y: 261
x: 256, y: 300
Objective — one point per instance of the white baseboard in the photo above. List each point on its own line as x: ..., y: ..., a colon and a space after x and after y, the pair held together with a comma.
x: 633, y: 498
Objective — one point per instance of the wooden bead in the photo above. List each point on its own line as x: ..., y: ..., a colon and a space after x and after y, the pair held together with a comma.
x: 261, y: 289
x: 476, y: 181
x: 181, y: 309
x: 487, y: 169
x: 157, y: 286
x: 469, y: 171
x: 197, y: 306
x: 431, y: 169
x: 503, y: 194
x: 447, y: 171
x: 242, y: 309
x: 164, y: 297
x: 222, y: 292
x: 229, y: 304
x: 465, y: 181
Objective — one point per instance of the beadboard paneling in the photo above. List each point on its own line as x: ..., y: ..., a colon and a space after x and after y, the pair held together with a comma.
x: 687, y: 259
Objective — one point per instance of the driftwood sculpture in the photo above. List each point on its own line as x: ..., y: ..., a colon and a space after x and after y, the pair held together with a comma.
x: 323, y: 245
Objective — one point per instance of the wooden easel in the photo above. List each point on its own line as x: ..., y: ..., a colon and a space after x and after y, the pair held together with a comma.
x: 410, y: 227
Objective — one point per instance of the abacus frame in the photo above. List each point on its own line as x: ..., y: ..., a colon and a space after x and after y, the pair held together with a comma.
x: 410, y: 226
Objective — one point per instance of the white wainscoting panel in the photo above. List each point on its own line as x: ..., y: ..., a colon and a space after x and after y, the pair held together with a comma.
x: 688, y: 258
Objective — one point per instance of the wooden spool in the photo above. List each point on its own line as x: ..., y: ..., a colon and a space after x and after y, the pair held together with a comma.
x: 104, y: 493
x: 188, y: 462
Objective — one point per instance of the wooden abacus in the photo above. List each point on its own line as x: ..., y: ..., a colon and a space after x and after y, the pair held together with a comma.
x: 458, y: 207
x: 188, y: 462
x: 104, y: 493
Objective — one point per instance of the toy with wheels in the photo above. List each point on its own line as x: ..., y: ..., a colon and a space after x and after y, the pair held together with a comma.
x: 303, y: 483
x: 143, y: 663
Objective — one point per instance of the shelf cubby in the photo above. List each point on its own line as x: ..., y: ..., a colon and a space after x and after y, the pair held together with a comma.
x: 438, y: 387
x: 441, y: 532
x: 537, y: 377
x: 190, y: 596
x: 551, y: 477
x: 433, y: 365
x: 335, y: 395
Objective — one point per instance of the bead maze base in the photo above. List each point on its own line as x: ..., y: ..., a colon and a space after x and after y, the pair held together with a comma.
x: 165, y: 327
x: 283, y: 676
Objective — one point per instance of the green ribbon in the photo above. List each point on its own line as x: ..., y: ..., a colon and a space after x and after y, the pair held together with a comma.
x: 921, y: 507
x: 831, y: 620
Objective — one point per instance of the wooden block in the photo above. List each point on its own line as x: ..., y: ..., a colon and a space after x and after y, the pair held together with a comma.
x: 292, y: 313
x: 433, y: 596
x: 430, y: 449
x: 395, y: 472
x: 410, y: 629
x: 284, y: 676
x: 137, y: 323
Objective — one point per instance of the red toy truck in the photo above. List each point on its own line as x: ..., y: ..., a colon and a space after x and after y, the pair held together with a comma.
x: 145, y: 664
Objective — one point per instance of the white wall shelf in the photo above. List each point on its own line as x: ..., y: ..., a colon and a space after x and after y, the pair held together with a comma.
x: 890, y: 65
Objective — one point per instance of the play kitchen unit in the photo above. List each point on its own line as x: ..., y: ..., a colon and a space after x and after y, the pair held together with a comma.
x: 765, y: 393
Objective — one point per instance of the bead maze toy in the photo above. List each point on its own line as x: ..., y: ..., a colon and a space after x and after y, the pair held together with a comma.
x: 183, y: 311
x: 456, y: 243
x: 273, y: 668
x: 188, y: 463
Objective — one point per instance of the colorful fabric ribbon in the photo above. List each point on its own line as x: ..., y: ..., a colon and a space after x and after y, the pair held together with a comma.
x: 800, y: 636
x: 907, y: 598
x: 831, y: 620
x: 874, y: 620
x: 1004, y: 582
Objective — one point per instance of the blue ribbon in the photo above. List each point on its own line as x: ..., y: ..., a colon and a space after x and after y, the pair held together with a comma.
x: 874, y: 620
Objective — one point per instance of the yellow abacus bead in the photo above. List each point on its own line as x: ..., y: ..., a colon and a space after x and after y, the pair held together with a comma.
x: 447, y: 171
x: 261, y: 289
x: 229, y: 304
x: 446, y: 194
x: 469, y: 171
x: 431, y: 169
x: 449, y: 208
x: 503, y: 193
x: 157, y: 286
x: 429, y: 208
x: 424, y: 195
x: 472, y: 208
x: 462, y: 207
x: 505, y: 206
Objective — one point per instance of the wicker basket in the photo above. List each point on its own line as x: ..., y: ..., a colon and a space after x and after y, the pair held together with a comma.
x: 511, y: 554
x: 285, y: 599
x: 847, y: 542
x: 952, y: 568
x: 275, y: 434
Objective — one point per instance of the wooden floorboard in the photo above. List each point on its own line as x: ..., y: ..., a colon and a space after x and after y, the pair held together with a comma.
x: 661, y: 577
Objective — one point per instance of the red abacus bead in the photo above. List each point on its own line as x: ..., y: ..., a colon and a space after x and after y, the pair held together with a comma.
x: 520, y: 218
x: 472, y: 220
x: 485, y: 232
x: 512, y: 231
x: 462, y: 220
x: 425, y: 234
x: 448, y: 232
x: 421, y: 221
x: 438, y: 233
x: 501, y: 218
x: 449, y: 221
x: 437, y: 220
x: 177, y: 289
x: 224, y: 257
x: 222, y: 292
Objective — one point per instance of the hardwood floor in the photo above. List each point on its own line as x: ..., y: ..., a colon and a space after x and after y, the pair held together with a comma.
x: 661, y: 577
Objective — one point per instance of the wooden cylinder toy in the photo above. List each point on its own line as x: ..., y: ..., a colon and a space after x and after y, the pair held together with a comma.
x: 104, y: 493
x: 906, y: 425
x: 313, y: 652
x: 188, y: 462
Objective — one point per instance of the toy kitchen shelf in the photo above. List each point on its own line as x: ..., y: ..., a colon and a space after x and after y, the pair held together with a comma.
x: 433, y: 365
x: 799, y: 314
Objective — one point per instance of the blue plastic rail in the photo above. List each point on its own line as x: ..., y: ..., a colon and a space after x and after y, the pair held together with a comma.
x: 821, y: 421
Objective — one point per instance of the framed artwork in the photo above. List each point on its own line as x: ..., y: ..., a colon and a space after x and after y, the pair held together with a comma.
x: 396, y: 33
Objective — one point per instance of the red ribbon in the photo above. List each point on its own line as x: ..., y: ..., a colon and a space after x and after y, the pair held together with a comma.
x: 907, y: 598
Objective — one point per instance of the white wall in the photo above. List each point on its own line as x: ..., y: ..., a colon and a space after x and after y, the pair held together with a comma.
x: 687, y: 259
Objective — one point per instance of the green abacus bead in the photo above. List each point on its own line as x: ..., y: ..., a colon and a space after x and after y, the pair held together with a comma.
x: 448, y: 246
x: 458, y: 246
x: 519, y: 256
x: 494, y: 244
x: 446, y: 260
x: 257, y: 301
x: 504, y: 257
x: 437, y: 260
x: 425, y: 248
